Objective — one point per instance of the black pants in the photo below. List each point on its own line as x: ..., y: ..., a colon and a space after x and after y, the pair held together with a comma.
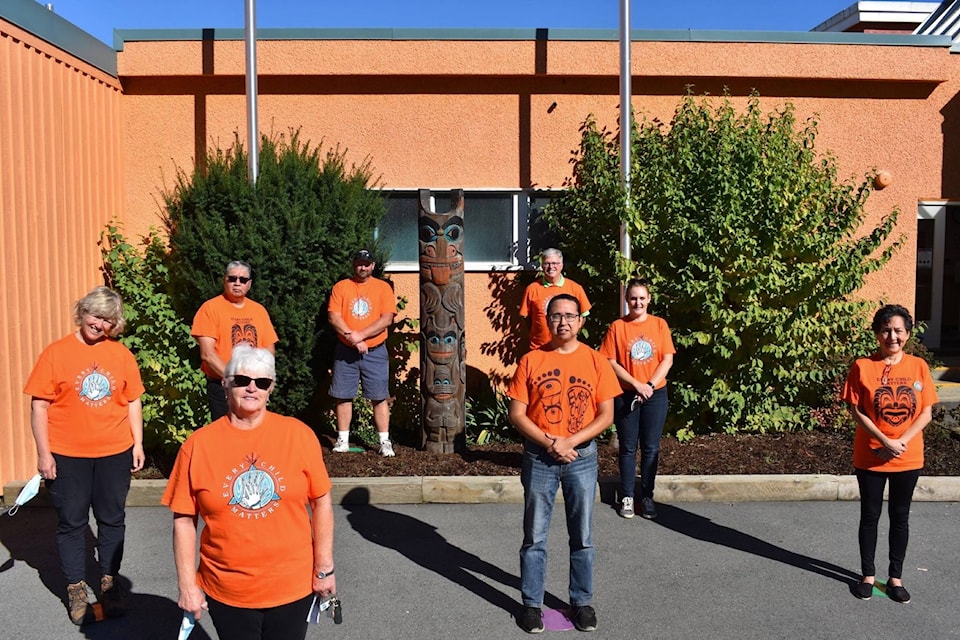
x: 902, y: 484
x: 216, y: 399
x: 286, y: 622
x: 101, y: 483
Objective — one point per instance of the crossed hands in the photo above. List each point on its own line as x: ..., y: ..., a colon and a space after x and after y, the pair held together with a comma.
x: 891, y: 449
x: 561, y: 449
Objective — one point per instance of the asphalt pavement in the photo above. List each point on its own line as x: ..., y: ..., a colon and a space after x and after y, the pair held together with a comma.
x: 716, y: 570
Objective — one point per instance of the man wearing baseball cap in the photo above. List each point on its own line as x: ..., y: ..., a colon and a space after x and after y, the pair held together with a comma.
x: 361, y: 310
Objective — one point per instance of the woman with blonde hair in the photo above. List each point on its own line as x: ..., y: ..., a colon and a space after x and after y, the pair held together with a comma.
x: 87, y: 422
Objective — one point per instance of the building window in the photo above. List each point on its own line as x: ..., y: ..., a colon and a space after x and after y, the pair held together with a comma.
x: 502, y: 229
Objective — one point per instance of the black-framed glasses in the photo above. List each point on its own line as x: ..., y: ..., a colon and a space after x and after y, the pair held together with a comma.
x: 241, y: 279
x: 557, y: 317
x: 244, y: 381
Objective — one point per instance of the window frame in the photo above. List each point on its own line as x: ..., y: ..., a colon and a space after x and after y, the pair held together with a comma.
x: 520, y: 226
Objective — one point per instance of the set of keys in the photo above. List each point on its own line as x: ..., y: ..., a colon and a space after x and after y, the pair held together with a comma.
x: 331, y: 605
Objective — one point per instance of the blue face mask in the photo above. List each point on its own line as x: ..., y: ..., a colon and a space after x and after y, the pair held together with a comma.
x: 27, y: 494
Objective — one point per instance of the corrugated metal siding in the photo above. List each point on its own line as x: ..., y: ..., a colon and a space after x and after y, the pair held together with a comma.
x: 60, y: 182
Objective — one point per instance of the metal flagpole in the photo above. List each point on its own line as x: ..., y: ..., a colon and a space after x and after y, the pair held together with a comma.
x: 253, y: 138
x: 625, y: 130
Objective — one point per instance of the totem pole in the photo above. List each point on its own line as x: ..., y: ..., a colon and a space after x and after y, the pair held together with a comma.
x: 443, y: 370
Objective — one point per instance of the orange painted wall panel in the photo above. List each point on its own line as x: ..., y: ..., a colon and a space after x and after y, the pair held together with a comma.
x: 61, y: 173
x: 502, y: 114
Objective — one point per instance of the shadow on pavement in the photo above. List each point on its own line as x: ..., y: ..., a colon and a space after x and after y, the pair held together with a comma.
x: 420, y: 543
x: 701, y: 528
x: 30, y: 537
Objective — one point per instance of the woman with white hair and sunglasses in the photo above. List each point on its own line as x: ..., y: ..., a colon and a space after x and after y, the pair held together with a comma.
x: 259, y: 482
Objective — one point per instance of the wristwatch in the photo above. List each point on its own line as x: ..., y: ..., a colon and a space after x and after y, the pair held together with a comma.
x: 324, y: 574
x: 651, y: 385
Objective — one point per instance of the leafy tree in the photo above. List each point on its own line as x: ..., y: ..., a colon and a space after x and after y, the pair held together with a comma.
x: 755, y: 249
x: 174, y: 402
x: 298, y: 227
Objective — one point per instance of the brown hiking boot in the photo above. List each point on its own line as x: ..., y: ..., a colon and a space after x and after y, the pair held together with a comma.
x: 112, y: 598
x: 77, y: 602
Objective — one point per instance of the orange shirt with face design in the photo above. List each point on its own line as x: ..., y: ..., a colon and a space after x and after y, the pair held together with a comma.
x: 217, y: 318
x: 892, y: 399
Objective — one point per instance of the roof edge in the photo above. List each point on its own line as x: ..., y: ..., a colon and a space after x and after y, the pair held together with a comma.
x: 50, y: 27
x: 122, y: 36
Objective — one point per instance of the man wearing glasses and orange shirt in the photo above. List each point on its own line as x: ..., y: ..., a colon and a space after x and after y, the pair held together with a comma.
x: 224, y: 322
x: 538, y: 295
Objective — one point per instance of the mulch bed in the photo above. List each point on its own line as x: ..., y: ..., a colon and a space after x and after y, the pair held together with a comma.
x: 823, y: 452
x: 817, y: 451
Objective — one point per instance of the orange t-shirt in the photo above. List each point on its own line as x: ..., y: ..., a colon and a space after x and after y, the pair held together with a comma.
x: 562, y: 390
x: 90, y: 388
x: 362, y: 304
x: 217, y: 318
x: 892, y: 405
x: 534, y: 306
x: 638, y: 347
x: 251, y: 488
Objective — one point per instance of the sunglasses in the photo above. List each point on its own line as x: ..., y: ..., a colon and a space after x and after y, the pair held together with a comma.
x: 241, y: 279
x: 244, y: 381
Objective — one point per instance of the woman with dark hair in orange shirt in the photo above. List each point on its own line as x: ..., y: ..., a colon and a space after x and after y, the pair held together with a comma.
x: 891, y: 396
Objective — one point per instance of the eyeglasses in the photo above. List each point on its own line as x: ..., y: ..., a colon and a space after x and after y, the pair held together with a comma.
x: 566, y: 317
x: 241, y: 279
x: 244, y: 381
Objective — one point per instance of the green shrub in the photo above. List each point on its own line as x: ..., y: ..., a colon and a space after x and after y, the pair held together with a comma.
x: 298, y: 227
x: 755, y: 250
x: 174, y: 402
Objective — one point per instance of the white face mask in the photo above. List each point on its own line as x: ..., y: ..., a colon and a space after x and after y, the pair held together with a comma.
x: 26, y: 494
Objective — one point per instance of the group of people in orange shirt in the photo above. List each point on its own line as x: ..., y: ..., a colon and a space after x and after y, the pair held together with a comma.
x: 564, y: 394
x: 258, y: 479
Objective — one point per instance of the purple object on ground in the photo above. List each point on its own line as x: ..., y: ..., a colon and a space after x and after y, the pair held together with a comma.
x: 556, y: 620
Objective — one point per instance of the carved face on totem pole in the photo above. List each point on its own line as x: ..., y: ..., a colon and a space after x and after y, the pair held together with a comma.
x: 441, y: 245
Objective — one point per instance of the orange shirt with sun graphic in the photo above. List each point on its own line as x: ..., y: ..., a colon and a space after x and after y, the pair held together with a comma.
x: 638, y: 347
x: 562, y: 390
x: 217, y: 318
x: 892, y: 399
x: 251, y: 487
x: 90, y: 388
x: 360, y: 304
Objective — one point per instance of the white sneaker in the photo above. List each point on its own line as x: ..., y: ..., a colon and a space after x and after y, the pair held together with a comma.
x: 626, y: 507
x: 342, y: 446
x: 386, y: 449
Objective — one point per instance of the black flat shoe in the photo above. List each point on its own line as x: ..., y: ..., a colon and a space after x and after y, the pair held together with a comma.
x: 897, y: 593
x: 863, y: 590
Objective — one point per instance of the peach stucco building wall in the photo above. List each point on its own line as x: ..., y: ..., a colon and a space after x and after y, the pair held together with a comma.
x: 506, y: 114
x: 61, y: 176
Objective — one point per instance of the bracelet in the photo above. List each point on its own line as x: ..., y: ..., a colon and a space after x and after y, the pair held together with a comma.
x: 324, y: 574
x: 651, y: 385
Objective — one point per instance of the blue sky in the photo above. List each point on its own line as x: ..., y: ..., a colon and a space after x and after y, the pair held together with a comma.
x: 100, y: 17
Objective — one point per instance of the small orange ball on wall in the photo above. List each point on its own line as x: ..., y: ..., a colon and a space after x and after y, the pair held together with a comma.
x: 882, y: 180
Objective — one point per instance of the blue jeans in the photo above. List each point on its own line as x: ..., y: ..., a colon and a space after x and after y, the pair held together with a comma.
x: 541, y: 476
x: 643, y: 427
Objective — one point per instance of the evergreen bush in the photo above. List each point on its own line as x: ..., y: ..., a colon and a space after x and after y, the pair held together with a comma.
x: 755, y: 248
x: 298, y: 227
